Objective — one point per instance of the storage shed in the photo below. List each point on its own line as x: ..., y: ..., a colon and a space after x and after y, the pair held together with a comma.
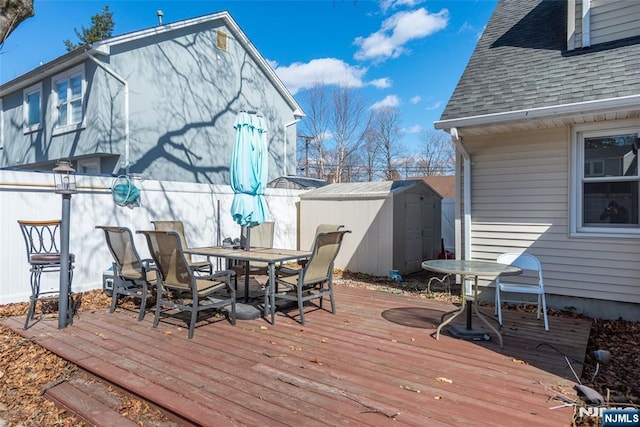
x: 395, y: 225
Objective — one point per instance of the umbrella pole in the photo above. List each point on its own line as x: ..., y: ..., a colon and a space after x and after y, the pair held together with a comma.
x: 219, y: 261
x: 247, y: 247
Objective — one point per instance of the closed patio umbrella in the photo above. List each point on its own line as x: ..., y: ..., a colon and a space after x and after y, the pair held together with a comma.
x: 248, y: 170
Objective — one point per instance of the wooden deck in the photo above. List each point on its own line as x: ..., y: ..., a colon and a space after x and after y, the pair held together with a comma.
x: 376, y: 362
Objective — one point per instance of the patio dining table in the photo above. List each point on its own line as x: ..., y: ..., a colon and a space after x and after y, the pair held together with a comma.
x: 271, y: 256
x: 469, y: 268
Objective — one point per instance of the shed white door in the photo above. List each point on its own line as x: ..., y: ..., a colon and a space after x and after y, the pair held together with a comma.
x: 419, y: 220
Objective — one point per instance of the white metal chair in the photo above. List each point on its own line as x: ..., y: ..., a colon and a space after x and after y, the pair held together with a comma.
x: 526, y: 262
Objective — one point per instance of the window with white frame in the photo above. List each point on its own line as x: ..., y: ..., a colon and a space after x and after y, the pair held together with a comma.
x: 606, y: 183
x: 32, y: 107
x: 68, y: 91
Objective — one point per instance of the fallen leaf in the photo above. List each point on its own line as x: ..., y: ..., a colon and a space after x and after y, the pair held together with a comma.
x: 437, y: 397
x: 317, y: 362
x: 263, y: 327
x: 408, y: 388
x: 444, y: 380
x: 519, y: 362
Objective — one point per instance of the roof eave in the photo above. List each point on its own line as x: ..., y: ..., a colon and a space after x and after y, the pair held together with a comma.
x: 555, y: 111
x: 50, y: 68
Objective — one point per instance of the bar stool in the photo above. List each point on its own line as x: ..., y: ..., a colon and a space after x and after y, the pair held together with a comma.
x: 43, y: 254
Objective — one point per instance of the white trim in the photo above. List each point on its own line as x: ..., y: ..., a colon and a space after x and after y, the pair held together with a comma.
x: 586, y: 23
x: 67, y: 75
x: 571, y: 25
x: 576, y: 160
x: 26, y: 128
x: 588, y: 107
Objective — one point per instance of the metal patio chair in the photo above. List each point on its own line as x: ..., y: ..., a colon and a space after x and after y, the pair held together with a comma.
x: 204, y: 267
x: 134, y: 277
x: 321, y: 228
x: 180, y: 288
x: 41, y: 239
x: 315, y: 279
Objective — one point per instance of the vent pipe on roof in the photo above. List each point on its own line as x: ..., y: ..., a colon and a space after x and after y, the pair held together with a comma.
x: 160, y: 15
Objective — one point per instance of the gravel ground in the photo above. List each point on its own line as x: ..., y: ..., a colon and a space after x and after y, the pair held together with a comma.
x: 27, y: 370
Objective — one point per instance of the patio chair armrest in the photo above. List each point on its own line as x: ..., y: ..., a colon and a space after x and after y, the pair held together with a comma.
x: 221, y: 273
x: 286, y: 271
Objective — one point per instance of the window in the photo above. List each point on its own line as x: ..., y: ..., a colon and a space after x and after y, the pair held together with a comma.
x: 68, y: 91
x: 605, y: 182
x: 32, y: 107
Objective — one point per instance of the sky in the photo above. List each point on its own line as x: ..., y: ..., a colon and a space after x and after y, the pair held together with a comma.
x: 407, y: 54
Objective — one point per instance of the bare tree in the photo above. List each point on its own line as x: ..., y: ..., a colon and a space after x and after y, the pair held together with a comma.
x: 334, y: 128
x: 349, y: 122
x: 12, y: 13
x: 386, y: 128
x: 315, y: 128
x: 438, y: 155
x: 369, y: 155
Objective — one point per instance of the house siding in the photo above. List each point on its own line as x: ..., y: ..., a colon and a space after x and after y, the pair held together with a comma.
x: 184, y: 96
x: 519, y: 203
x: 614, y: 20
x: 610, y: 20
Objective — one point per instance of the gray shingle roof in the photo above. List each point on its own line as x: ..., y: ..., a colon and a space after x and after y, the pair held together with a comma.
x: 521, y: 62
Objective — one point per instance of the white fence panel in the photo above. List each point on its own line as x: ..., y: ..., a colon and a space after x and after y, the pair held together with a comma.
x: 204, y: 209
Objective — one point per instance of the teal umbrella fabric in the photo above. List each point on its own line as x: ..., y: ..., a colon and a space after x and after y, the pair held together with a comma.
x: 248, y: 170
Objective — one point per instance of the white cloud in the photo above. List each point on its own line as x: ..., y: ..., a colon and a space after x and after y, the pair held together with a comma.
x: 398, y: 30
x: 434, y: 106
x: 385, y: 5
x: 465, y: 27
x: 299, y: 75
x: 415, y: 100
x: 388, y: 101
x: 382, y: 83
x: 413, y: 129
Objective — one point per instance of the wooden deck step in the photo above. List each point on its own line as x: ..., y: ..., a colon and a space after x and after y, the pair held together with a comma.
x: 99, y: 403
x: 85, y: 406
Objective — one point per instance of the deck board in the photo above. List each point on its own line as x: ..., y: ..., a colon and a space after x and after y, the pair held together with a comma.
x: 376, y: 362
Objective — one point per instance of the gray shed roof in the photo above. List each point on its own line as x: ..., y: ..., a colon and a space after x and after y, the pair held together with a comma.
x: 296, y: 182
x: 365, y: 190
x: 521, y: 62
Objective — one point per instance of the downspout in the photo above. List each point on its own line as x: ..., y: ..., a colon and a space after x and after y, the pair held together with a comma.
x: 466, y: 187
x: 285, y: 143
x: 126, y: 107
